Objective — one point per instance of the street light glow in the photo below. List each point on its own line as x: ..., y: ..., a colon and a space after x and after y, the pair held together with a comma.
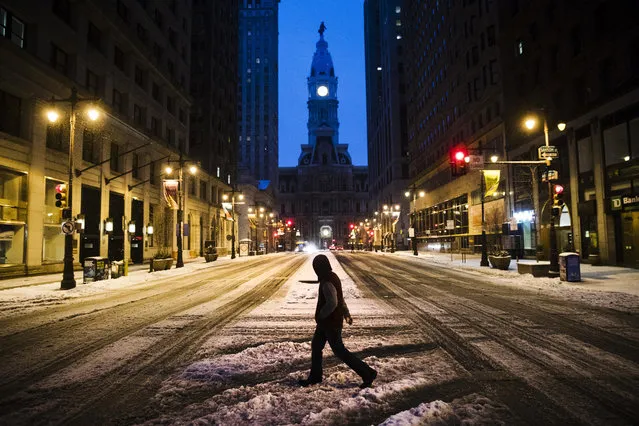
x: 422, y: 193
x: 407, y: 194
x: 561, y: 126
x: 52, y: 116
x: 225, y: 197
x: 494, y: 158
x: 93, y: 114
x: 241, y: 197
x: 193, y: 170
x: 168, y: 170
x: 530, y: 123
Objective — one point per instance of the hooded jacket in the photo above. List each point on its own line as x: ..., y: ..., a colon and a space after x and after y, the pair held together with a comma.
x: 327, y: 278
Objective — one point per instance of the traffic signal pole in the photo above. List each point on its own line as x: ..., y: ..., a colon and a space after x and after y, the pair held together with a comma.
x: 68, y: 279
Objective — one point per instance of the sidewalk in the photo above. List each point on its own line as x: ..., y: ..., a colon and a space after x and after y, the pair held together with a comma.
x: 596, y: 278
x: 137, y: 272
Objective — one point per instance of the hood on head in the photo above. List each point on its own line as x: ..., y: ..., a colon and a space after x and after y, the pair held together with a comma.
x: 321, y: 265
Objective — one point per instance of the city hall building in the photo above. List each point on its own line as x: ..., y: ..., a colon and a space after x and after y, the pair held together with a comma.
x: 325, y: 193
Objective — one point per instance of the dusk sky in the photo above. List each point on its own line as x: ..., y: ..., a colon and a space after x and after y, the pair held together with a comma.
x: 298, y: 25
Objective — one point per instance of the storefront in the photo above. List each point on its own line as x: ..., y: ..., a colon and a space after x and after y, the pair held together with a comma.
x: 13, y: 214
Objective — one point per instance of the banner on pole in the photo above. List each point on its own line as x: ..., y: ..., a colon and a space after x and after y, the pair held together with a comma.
x: 171, y: 192
x: 227, y: 207
x: 491, y: 178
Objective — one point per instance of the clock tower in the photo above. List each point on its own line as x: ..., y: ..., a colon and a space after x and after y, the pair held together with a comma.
x: 323, y: 125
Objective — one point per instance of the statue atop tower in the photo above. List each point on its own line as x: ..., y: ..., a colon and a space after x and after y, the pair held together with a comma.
x: 321, y: 30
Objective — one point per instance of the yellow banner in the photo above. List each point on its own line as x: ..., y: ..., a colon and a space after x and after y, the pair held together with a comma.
x: 491, y: 180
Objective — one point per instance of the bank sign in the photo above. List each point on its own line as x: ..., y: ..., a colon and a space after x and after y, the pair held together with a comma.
x: 624, y: 203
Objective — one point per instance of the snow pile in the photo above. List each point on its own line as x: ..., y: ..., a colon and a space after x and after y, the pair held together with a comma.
x: 470, y: 410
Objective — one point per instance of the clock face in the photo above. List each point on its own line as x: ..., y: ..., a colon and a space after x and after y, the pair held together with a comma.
x: 322, y: 91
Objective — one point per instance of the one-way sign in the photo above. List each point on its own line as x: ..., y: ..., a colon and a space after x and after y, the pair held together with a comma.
x: 546, y: 152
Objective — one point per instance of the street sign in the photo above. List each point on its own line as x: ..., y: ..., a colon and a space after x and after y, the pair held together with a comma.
x: 549, y: 175
x: 68, y: 227
x: 476, y: 162
x: 546, y: 152
x: 411, y: 232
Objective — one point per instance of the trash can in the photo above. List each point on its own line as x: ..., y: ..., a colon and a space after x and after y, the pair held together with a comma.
x: 117, y: 269
x: 95, y: 269
x: 569, y: 269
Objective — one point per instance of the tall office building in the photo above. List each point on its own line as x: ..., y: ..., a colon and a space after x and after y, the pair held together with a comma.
x: 258, y: 100
x: 214, y: 45
x: 133, y: 58
x: 386, y: 110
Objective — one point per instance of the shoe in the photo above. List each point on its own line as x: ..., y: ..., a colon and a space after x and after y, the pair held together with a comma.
x: 308, y: 382
x: 368, y: 381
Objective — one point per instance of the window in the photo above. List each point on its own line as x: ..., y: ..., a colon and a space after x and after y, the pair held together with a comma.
x: 155, y: 91
x: 170, y: 135
x: 491, y: 37
x: 135, y: 163
x: 58, y: 136
x: 139, y: 76
x: 118, y: 58
x: 114, y: 160
x: 62, y: 9
x: 123, y: 11
x: 90, y: 147
x: 10, y: 113
x: 94, y: 36
x: 118, y: 104
x: 158, y: 18
x: 182, y: 115
x: 92, y: 82
x: 203, y: 192
x: 157, y: 52
x: 170, y: 105
x: 156, y: 126
x: 172, y: 37
x: 151, y: 221
x: 11, y: 27
x: 171, y: 68
x: 138, y: 115
x: 59, y: 59
x: 152, y: 173
x: 143, y: 34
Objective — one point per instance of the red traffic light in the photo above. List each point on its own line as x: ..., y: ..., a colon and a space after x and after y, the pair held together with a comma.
x: 289, y: 222
x: 559, y: 189
x: 352, y: 226
x: 61, y: 195
x: 460, y: 155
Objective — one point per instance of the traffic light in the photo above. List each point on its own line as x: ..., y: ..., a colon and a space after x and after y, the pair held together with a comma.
x: 61, y: 195
x: 289, y: 223
x: 352, y: 226
x: 558, y: 200
x: 459, y: 161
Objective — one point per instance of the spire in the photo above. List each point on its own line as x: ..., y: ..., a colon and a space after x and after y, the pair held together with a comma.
x: 322, y: 62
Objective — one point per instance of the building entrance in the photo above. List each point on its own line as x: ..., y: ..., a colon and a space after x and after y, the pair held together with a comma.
x: 630, y: 238
x: 90, y: 208
x: 137, y: 239
x: 116, y: 238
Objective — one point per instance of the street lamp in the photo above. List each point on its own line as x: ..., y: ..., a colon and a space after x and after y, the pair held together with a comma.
x: 240, y: 197
x: 180, y: 213
x: 413, y: 216
x: 530, y: 123
x: 68, y: 280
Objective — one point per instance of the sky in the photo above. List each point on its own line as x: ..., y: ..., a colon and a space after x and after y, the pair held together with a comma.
x: 299, y: 21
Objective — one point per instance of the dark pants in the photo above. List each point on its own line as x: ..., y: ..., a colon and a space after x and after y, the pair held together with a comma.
x: 334, y: 338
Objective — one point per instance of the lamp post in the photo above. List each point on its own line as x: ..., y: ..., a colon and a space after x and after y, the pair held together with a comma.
x: 484, y: 250
x: 413, y: 215
x: 68, y: 280
x: 225, y: 197
x: 530, y: 124
x: 180, y: 213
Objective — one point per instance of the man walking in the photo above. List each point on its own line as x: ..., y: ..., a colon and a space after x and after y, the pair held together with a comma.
x: 329, y: 316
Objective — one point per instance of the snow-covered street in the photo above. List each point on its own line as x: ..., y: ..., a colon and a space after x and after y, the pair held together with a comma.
x: 226, y: 344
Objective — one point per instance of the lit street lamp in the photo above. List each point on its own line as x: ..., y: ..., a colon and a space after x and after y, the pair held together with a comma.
x: 68, y: 280
x: 180, y: 213
x: 413, y: 216
x: 240, y: 197
x: 530, y: 123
